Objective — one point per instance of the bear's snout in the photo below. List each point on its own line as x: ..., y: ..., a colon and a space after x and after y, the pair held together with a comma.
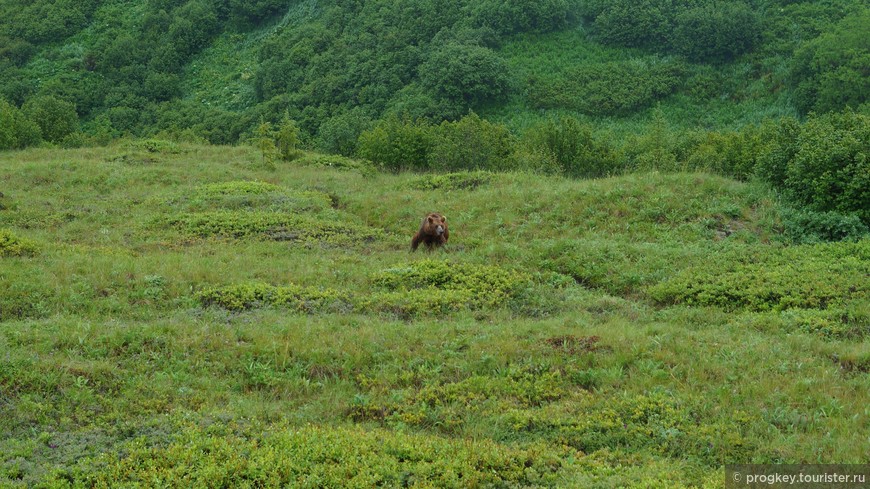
x: 439, y: 230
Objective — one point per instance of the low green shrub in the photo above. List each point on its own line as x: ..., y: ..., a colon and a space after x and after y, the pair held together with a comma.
x: 801, y: 277
x: 452, y: 181
x: 483, y: 285
x: 276, y: 226
x: 12, y: 245
x: 315, y: 456
x: 808, y: 227
x: 656, y: 420
x: 409, y: 304
x: 241, y: 297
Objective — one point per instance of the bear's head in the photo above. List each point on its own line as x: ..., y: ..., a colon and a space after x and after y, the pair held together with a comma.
x: 435, y: 224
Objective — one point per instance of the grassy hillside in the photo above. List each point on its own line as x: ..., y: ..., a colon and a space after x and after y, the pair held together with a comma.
x: 178, y: 314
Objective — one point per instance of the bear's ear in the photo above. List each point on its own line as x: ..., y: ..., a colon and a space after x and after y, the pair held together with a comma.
x: 443, y: 218
x: 430, y: 219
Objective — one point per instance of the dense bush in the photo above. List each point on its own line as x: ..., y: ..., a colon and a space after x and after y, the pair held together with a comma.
x: 56, y: 118
x: 826, y: 166
x: 702, y: 30
x: 573, y: 148
x: 16, y: 129
x: 323, y: 457
x: 452, y: 181
x: 612, y: 88
x: 522, y: 15
x: 830, y: 72
x: 807, y: 226
x: 472, y: 143
x: 461, y: 72
x: 717, y: 32
x: 396, y: 144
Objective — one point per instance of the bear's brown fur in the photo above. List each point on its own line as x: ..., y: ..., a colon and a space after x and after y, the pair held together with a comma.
x: 433, y: 232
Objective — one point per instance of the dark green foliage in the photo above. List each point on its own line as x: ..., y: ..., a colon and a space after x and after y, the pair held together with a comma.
x: 818, y: 277
x: 522, y: 15
x: 702, y: 30
x: 826, y: 166
x: 16, y: 129
x: 613, y: 88
x: 807, y: 226
x: 573, y: 148
x: 830, y: 72
x: 717, y: 32
x: 56, y: 118
x: 253, y: 295
x: 339, y: 134
x: 465, y: 72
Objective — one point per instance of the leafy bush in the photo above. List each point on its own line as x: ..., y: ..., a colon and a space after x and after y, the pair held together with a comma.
x: 396, y: 144
x: 522, y: 15
x: 254, y: 295
x: 825, y: 167
x: 805, y: 277
x: 472, y: 143
x: 339, y: 134
x: 612, y: 88
x: 830, y: 72
x: 56, y: 118
x: 717, y: 32
x: 12, y: 245
x: 17, y: 131
x: 470, y: 73
x: 573, y: 147
x: 808, y: 227
x: 452, y: 181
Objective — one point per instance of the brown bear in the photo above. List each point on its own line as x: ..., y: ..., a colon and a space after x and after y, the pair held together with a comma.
x: 433, y: 232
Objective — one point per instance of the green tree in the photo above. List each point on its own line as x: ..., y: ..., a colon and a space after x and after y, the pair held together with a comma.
x: 469, y: 73
x: 264, y: 140
x: 287, y: 138
x: 472, y: 143
x: 56, y: 118
x: 16, y: 130
x: 831, y: 72
x: 717, y: 32
x: 398, y: 144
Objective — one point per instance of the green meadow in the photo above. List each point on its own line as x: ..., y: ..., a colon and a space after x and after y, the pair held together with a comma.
x: 179, y: 315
